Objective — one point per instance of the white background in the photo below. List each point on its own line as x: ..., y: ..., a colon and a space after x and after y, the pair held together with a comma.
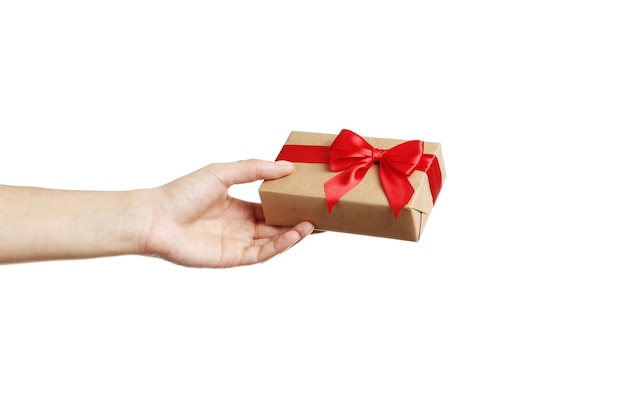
x: 512, y: 304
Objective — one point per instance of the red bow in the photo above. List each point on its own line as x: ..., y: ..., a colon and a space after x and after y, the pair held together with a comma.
x: 353, y: 156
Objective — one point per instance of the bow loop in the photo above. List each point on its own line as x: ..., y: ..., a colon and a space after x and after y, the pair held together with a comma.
x: 405, y: 156
x: 349, y: 149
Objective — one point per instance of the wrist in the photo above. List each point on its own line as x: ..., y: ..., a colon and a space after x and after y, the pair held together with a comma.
x: 138, y: 219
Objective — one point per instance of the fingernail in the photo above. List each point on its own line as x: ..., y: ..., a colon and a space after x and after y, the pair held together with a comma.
x: 285, y: 163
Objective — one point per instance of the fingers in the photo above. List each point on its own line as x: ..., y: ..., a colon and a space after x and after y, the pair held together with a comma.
x: 285, y: 241
x: 264, y: 230
x: 250, y: 170
x: 280, y: 243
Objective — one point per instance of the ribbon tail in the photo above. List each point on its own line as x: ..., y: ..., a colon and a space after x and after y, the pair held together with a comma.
x: 340, y: 184
x: 397, y: 187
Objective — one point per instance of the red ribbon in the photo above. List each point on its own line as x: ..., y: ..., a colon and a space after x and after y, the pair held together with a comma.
x: 353, y: 156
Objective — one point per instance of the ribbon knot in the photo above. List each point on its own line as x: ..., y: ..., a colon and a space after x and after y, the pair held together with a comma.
x: 377, y: 154
x: 353, y: 156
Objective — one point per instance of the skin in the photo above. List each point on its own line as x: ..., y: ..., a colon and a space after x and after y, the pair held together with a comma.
x: 191, y: 221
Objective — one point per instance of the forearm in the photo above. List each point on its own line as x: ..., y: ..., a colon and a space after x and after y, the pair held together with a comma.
x: 44, y: 224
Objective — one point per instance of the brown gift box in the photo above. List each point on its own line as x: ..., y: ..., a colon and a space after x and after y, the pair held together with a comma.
x: 363, y: 210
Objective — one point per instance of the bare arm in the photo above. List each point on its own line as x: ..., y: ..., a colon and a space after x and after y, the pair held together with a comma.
x: 39, y: 223
x: 191, y: 221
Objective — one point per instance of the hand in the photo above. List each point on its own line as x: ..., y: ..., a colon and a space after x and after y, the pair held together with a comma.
x: 196, y: 223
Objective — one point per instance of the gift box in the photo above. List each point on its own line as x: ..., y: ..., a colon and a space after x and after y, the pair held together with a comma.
x: 348, y: 183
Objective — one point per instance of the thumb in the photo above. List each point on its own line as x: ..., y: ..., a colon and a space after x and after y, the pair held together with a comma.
x: 251, y: 170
